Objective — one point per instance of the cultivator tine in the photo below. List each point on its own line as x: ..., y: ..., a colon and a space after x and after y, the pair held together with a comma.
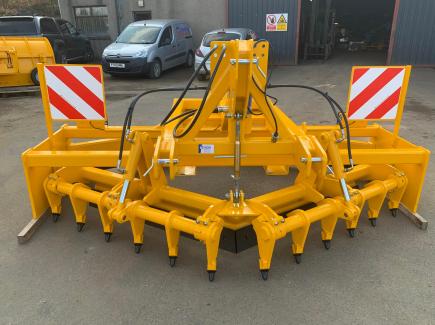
x: 106, y: 222
x: 266, y: 243
x: 172, y: 238
x: 328, y: 226
x: 299, y: 236
x: 137, y: 228
x: 54, y: 200
x: 234, y: 125
x: 375, y: 204
x: 79, y: 206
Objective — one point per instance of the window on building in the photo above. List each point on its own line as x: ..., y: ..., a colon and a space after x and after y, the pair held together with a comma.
x: 92, y: 20
x: 141, y: 15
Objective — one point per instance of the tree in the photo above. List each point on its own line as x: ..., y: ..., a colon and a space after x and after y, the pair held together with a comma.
x: 29, y: 7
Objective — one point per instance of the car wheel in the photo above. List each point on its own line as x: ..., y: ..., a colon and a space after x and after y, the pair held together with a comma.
x: 190, y: 60
x: 155, y: 70
x: 34, y: 76
x: 203, y: 76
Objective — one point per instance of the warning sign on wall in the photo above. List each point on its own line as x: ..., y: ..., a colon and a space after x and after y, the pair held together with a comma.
x: 276, y: 22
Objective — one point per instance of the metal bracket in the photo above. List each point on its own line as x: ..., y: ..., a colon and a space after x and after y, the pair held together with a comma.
x: 243, y: 61
x: 313, y: 159
x: 27, y: 232
x: 417, y: 219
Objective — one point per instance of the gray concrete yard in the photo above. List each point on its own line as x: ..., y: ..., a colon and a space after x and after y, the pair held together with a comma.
x: 385, y: 275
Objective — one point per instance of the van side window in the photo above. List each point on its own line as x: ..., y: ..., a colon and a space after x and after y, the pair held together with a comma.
x: 183, y: 31
x: 48, y: 26
x: 166, y: 38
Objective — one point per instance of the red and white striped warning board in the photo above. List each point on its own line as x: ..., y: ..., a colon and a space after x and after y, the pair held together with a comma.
x: 375, y: 92
x: 75, y: 92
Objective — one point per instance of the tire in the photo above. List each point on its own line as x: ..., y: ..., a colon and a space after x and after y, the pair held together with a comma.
x: 155, y: 70
x: 203, y: 76
x: 34, y: 76
x: 190, y: 60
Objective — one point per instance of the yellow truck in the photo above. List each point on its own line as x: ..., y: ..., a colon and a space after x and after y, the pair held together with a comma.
x: 18, y: 58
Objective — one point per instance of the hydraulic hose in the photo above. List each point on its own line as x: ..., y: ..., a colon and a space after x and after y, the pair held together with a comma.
x: 129, y: 115
x: 197, y: 113
x: 334, y: 106
x: 275, y: 134
x: 189, y: 83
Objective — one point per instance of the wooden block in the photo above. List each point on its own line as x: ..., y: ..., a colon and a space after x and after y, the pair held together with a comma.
x: 29, y: 229
x: 417, y: 219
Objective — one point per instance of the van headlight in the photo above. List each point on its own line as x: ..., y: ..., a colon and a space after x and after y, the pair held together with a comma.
x: 141, y: 54
x: 105, y: 52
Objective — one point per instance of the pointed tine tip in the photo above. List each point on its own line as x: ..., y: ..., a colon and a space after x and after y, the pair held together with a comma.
x: 172, y: 260
x: 80, y: 226
x: 298, y: 258
x: 327, y: 244
x: 107, y: 236
x: 264, y: 274
x: 211, y: 275
x: 137, y: 248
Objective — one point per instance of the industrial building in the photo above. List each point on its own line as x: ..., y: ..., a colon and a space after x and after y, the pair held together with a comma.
x: 403, y: 30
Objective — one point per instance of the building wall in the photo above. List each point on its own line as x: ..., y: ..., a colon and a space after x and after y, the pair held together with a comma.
x: 202, y: 16
x: 252, y: 14
x: 414, y: 36
x: 100, y: 41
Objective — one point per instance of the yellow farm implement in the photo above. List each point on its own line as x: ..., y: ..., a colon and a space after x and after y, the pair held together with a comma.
x: 121, y: 169
x: 19, y: 57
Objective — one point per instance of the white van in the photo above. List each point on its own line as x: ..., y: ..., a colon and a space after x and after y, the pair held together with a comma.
x: 150, y: 47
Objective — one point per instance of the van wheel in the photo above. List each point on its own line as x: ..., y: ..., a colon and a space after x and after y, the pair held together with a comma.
x: 34, y: 76
x: 155, y: 70
x: 190, y: 60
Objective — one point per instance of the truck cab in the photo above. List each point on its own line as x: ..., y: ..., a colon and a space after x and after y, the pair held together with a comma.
x: 68, y: 44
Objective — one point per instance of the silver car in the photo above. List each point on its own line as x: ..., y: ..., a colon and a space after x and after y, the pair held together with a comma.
x: 150, y: 47
x: 225, y: 34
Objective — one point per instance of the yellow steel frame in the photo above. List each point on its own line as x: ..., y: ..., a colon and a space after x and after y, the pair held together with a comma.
x: 386, y: 166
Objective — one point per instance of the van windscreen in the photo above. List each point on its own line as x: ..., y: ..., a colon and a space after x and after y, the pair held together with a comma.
x: 220, y: 36
x: 17, y: 26
x: 138, y: 34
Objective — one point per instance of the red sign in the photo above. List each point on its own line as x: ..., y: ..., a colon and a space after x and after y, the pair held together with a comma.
x: 75, y: 92
x: 375, y: 93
